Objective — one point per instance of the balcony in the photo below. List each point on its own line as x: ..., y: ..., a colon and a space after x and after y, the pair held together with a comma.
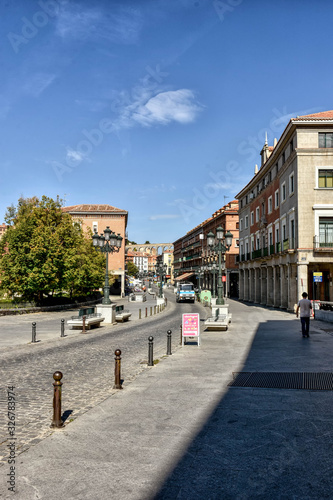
x: 322, y: 244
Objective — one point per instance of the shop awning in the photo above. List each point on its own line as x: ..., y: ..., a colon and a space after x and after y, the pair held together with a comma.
x: 184, y: 276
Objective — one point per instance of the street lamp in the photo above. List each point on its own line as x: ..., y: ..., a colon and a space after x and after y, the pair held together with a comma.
x: 199, y: 276
x: 161, y: 271
x: 213, y: 269
x: 220, y: 243
x: 110, y: 242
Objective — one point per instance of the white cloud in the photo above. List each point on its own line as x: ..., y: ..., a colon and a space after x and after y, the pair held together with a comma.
x: 73, y: 156
x: 161, y: 109
x: 164, y: 216
x: 120, y: 25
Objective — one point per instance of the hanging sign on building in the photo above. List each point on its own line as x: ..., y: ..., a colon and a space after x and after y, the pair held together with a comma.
x: 191, y: 326
x: 317, y: 277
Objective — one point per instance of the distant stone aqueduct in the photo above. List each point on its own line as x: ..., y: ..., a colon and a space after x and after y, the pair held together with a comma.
x: 151, y: 248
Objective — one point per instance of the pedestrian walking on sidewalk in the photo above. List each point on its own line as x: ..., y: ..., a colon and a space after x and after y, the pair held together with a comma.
x: 304, y: 306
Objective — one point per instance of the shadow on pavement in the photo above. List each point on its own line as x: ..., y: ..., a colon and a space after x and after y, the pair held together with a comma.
x: 264, y: 443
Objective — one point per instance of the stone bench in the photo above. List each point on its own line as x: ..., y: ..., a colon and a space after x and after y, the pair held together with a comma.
x: 121, y: 314
x: 91, y: 321
x: 220, y: 321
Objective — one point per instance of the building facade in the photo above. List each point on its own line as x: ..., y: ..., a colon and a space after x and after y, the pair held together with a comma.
x: 192, y: 253
x: 286, y: 217
x: 97, y: 218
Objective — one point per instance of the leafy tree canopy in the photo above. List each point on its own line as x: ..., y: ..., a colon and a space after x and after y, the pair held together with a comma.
x: 44, y: 251
x: 132, y: 270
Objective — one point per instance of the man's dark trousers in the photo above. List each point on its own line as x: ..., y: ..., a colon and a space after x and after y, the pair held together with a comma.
x: 305, y: 326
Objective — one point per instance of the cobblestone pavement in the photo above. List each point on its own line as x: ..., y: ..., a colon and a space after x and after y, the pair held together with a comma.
x: 87, y: 364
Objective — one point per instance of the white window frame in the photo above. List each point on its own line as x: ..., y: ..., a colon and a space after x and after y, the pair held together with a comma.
x: 252, y: 218
x: 241, y: 224
x: 276, y: 199
x: 95, y: 225
x: 270, y: 205
x: 291, y: 181
x: 283, y: 192
x: 246, y: 222
x: 257, y: 214
x: 317, y: 178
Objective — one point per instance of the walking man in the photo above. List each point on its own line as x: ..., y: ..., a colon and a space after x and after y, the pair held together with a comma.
x: 304, y: 306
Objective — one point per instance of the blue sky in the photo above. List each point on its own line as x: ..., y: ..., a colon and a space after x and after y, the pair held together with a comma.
x: 158, y: 107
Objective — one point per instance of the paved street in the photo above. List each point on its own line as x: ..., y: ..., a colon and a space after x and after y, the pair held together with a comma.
x: 86, y: 361
x: 177, y: 431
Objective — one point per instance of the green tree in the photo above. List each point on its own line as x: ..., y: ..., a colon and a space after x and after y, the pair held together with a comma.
x: 43, y: 251
x: 132, y: 270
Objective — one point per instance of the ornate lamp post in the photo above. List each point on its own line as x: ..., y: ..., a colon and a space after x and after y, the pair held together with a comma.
x: 108, y: 243
x: 213, y: 269
x: 199, y: 276
x: 161, y: 270
x: 220, y: 244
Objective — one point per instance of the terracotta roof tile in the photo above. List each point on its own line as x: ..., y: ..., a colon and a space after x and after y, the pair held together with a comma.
x: 93, y: 208
x: 319, y: 116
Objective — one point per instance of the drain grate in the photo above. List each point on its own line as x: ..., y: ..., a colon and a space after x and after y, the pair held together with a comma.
x: 284, y: 380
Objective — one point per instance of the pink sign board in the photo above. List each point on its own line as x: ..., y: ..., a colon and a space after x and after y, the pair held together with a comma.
x: 191, y: 325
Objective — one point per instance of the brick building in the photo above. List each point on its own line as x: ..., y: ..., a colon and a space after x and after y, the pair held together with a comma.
x: 286, y: 217
x: 192, y: 252
x: 97, y: 218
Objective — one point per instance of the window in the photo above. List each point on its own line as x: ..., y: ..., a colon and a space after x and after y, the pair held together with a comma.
x: 237, y: 225
x: 276, y: 198
x: 270, y: 236
x: 95, y: 227
x: 283, y: 192
x: 252, y: 218
x: 325, y: 139
x: 284, y: 233
x: 241, y: 225
x: 270, y: 205
x: 246, y: 199
x: 237, y: 243
x: 291, y: 183
x: 283, y: 157
x: 291, y: 144
x: 257, y: 214
x: 325, y: 178
x: 246, y: 221
x: 258, y: 243
x: 326, y: 231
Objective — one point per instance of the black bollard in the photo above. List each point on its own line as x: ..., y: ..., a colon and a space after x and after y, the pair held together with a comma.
x: 169, y: 332
x: 33, y: 332
x: 139, y: 313
x: 146, y: 311
x: 57, y: 422
x: 181, y: 334
x: 62, y: 331
x: 117, y: 378
x: 150, y: 351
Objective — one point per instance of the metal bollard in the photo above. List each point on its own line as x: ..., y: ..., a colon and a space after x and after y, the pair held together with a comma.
x: 154, y: 309
x: 139, y: 313
x: 83, y: 324
x: 151, y: 311
x: 117, y: 379
x: 33, y: 332
x: 166, y: 301
x: 146, y: 311
x: 169, y: 332
x: 57, y: 422
x: 181, y: 334
x: 150, y: 351
x: 62, y: 330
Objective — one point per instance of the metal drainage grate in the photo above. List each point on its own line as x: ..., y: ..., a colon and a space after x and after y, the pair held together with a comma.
x: 284, y: 380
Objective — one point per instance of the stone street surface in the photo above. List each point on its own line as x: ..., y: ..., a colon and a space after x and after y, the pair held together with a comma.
x: 86, y: 361
x: 176, y: 430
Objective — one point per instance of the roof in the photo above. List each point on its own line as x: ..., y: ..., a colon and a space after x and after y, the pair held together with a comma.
x: 328, y: 115
x: 93, y: 208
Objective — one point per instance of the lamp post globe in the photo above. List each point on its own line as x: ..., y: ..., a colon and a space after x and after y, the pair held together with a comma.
x: 107, y: 243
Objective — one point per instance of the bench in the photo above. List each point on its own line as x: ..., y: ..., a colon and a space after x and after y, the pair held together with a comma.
x: 121, y: 314
x: 93, y: 320
x: 218, y: 322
